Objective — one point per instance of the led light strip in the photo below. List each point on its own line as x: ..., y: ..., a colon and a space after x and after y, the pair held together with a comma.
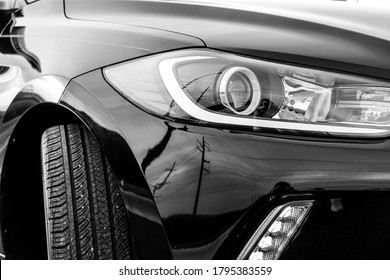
x: 269, y: 221
x: 167, y: 73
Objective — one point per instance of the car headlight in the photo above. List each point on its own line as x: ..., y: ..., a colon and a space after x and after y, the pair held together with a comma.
x: 223, y: 89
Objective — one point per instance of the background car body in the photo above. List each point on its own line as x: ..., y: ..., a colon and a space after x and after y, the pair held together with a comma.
x: 193, y: 191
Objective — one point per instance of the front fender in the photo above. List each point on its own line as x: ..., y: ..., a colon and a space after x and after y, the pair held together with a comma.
x: 149, y: 236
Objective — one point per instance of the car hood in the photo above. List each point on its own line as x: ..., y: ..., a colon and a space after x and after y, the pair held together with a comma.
x: 327, y: 34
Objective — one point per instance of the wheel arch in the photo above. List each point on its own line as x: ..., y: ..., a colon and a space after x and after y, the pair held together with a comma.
x: 45, y: 89
x: 22, y: 167
x: 23, y: 225
x: 150, y: 240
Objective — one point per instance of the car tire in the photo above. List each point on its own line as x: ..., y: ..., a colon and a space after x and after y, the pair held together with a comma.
x: 85, y: 214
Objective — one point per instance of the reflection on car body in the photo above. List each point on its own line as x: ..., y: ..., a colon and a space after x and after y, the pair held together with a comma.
x: 194, y: 130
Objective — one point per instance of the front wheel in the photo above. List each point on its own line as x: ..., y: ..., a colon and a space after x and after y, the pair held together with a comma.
x: 85, y: 214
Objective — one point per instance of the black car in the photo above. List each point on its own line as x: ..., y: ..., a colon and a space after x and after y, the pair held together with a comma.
x: 194, y: 129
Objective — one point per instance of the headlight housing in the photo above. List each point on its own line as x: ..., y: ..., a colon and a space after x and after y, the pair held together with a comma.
x: 223, y: 89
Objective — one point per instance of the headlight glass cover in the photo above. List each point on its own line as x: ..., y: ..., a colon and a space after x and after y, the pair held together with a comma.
x: 216, y: 88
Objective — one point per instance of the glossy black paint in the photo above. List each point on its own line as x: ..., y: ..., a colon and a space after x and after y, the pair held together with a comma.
x: 355, y: 225
x: 343, y: 37
x: 240, y: 170
x: 40, y: 53
x: 191, y: 192
x: 148, y: 234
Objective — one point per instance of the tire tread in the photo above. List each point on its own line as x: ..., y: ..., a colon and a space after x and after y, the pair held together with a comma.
x: 86, y: 216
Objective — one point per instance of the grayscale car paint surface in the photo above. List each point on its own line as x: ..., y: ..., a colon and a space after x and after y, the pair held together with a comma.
x: 79, y: 84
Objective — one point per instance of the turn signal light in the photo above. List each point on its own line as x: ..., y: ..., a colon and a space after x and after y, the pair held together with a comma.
x: 275, y: 233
